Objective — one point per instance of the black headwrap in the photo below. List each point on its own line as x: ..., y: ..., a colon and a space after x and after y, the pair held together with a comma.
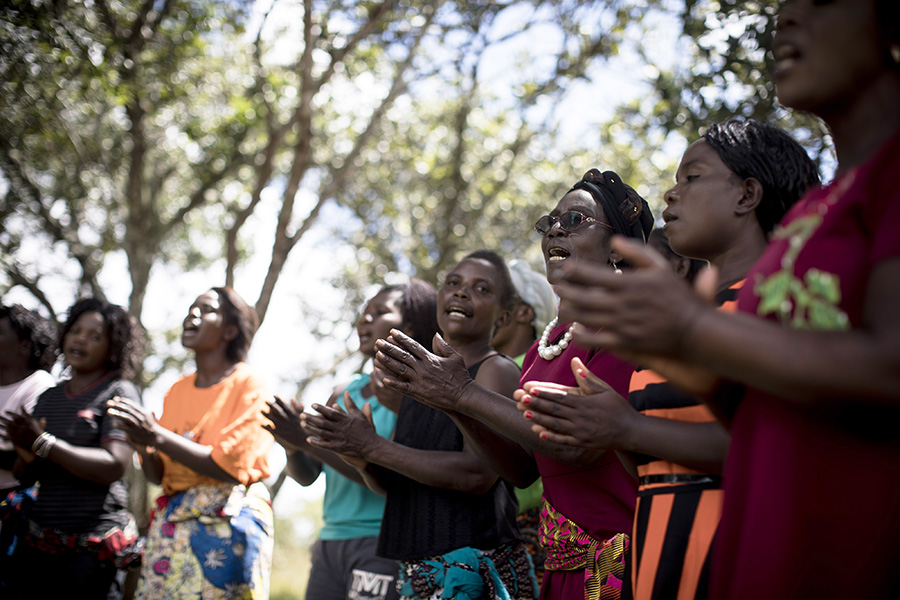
x: 630, y: 217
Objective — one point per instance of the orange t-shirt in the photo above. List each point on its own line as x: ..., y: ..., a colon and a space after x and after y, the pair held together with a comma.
x: 227, y: 417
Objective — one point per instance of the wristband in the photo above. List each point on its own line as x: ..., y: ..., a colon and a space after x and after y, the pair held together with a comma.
x: 43, y: 443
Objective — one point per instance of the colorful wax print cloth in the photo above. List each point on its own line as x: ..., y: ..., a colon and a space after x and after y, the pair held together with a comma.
x: 210, y: 542
x: 470, y: 574
x: 569, y: 548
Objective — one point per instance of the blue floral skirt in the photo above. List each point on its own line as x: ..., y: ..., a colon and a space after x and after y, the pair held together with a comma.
x: 209, y: 542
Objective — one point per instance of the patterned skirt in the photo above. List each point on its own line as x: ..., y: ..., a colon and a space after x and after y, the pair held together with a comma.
x: 505, y: 573
x: 570, y: 548
x: 209, y: 542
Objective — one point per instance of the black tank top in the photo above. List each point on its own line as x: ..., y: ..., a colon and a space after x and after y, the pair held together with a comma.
x: 420, y: 520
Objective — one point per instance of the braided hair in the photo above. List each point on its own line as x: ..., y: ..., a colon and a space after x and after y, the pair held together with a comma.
x: 751, y: 149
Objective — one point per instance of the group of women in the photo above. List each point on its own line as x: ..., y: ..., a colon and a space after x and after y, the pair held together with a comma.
x: 731, y: 437
x: 66, y: 525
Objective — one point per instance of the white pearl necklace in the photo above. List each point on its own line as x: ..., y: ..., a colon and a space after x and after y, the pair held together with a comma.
x: 551, y: 352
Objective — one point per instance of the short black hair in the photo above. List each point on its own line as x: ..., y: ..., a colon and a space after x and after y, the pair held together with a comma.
x: 508, y: 297
x: 126, y: 338
x: 769, y: 155
x: 235, y: 311
x: 419, y: 308
x: 32, y: 327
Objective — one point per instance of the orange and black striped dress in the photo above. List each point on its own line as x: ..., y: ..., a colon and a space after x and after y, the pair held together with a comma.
x: 678, y: 509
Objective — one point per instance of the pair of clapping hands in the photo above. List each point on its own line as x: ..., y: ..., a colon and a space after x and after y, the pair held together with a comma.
x: 348, y: 432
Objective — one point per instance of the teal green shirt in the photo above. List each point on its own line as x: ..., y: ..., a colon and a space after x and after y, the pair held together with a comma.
x: 351, y: 510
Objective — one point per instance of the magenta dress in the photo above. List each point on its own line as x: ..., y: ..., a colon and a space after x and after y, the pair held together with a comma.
x: 812, y: 494
x: 599, y: 498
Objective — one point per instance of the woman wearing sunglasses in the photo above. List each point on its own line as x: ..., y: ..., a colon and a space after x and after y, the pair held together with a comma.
x: 811, y: 487
x: 734, y: 184
x: 589, y: 497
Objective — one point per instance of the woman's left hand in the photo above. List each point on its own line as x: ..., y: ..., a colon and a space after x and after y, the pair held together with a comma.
x: 436, y: 379
x: 351, y: 434
x: 136, y: 421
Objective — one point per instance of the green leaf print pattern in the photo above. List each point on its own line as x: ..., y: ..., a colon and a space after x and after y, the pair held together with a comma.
x: 808, y: 303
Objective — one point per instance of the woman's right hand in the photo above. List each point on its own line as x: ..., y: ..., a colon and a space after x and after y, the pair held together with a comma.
x: 285, y: 423
x: 646, y: 310
x: 590, y: 416
x: 22, y: 429
x: 136, y: 421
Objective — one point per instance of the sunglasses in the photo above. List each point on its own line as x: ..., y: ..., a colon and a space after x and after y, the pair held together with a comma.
x: 568, y: 221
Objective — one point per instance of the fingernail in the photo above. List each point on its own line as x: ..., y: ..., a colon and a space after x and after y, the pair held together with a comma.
x: 526, y: 399
x: 582, y: 373
x: 528, y: 414
x: 543, y: 436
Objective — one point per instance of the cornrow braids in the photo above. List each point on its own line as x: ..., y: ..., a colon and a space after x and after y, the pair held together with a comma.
x: 751, y: 149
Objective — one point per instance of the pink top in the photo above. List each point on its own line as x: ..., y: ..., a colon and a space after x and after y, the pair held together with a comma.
x: 811, y: 497
x: 600, y: 498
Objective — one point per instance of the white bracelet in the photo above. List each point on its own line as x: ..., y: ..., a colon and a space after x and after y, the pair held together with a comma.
x: 43, y: 443
x: 39, y: 440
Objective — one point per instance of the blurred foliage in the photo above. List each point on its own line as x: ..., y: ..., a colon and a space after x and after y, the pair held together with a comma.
x: 295, y: 532
x: 197, y: 134
x: 141, y: 139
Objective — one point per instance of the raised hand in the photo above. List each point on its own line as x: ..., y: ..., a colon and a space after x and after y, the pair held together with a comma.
x: 351, y: 434
x: 137, y: 422
x: 436, y: 379
x: 590, y: 416
x: 285, y: 423
x: 647, y: 309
